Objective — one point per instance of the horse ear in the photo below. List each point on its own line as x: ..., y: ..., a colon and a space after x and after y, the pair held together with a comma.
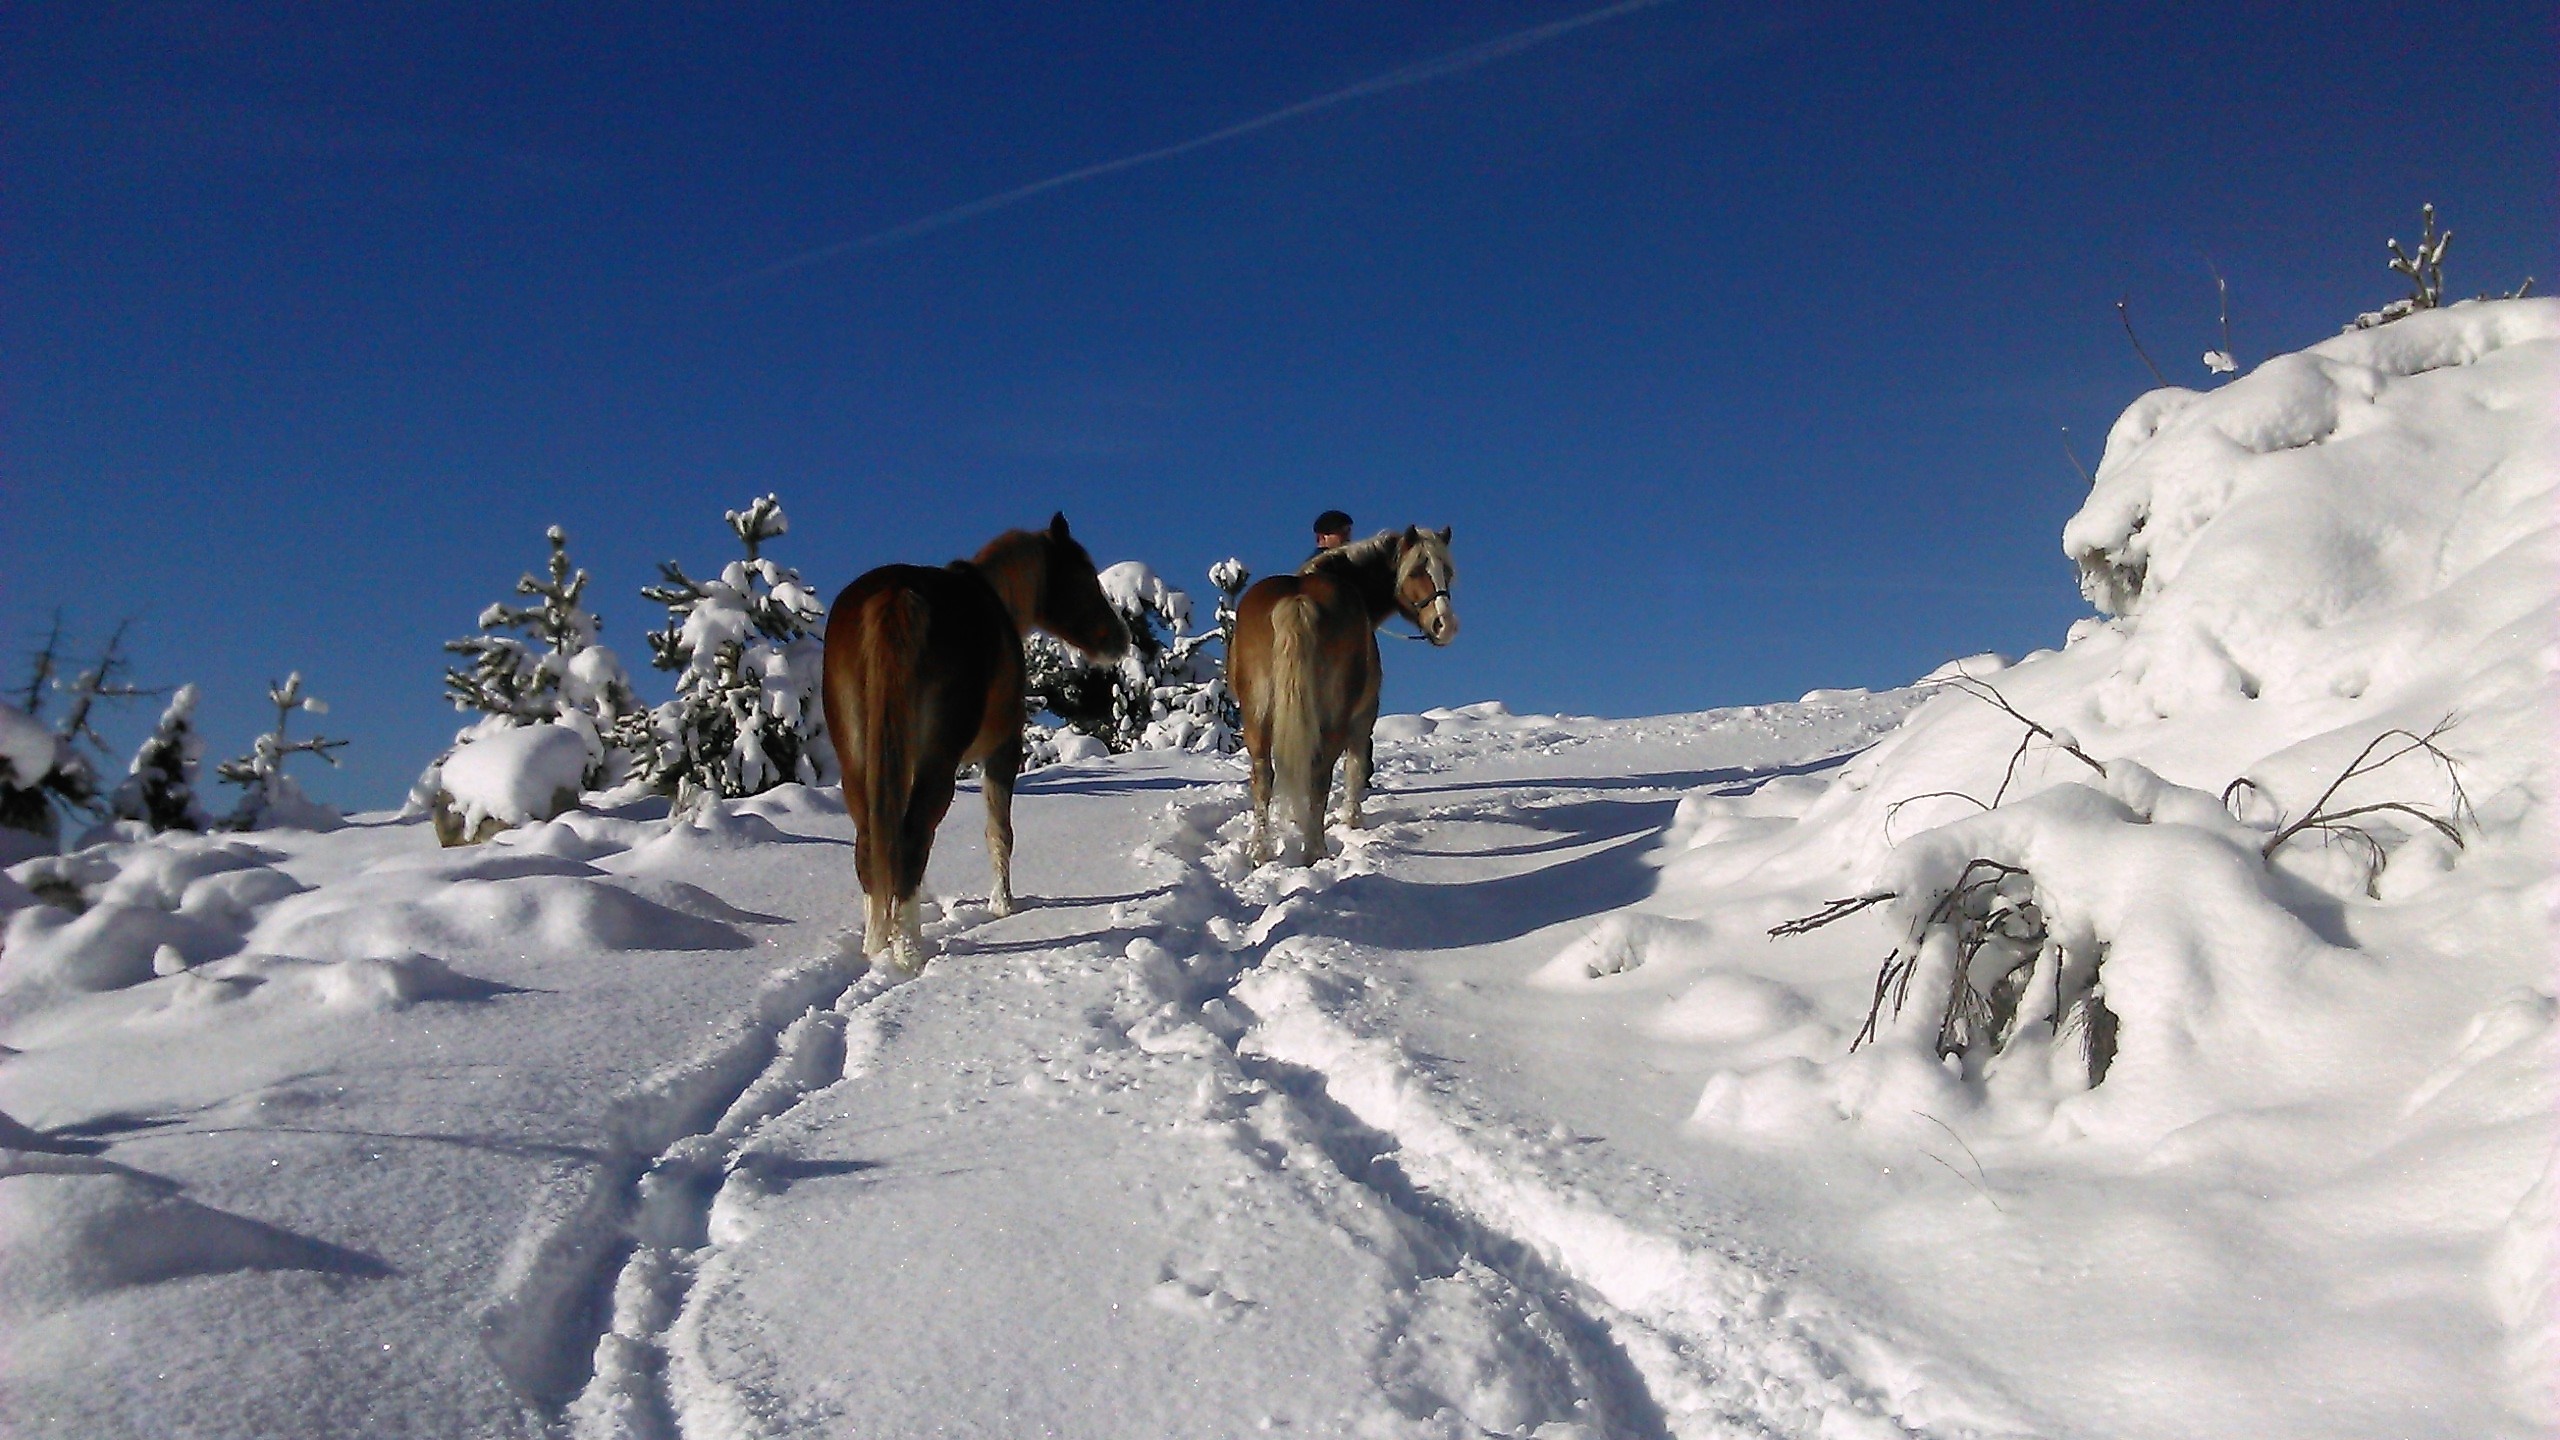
x: 1444, y: 533
x: 1058, y: 525
x: 1411, y: 537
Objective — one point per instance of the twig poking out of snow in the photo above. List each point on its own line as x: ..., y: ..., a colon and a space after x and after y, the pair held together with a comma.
x: 1894, y: 809
x: 1978, y: 1180
x: 2326, y: 822
x: 1989, y: 694
x: 2425, y: 269
x: 1831, y: 910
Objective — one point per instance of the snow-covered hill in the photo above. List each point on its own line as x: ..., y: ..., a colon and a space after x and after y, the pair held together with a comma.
x: 1511, y: 1119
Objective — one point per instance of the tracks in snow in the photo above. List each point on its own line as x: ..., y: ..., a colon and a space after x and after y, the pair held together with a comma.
x: 602, y: 1267
x: 1579, y: 1314
x: 1661, y: 1335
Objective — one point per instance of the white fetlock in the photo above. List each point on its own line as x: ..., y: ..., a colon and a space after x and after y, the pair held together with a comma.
x: 1001, y: 902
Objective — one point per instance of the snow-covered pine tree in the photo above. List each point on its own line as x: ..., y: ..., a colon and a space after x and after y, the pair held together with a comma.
x: 1167, y: 693
x: 1187, y: 705
x: 745, y: 717
x: 67, y: 781
x: 540, y: 662
x: 269, y: 798
x: 1230, y: 576
x: 1058, y: 681
x: 159, y: 788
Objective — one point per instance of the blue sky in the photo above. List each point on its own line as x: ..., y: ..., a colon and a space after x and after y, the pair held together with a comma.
x: 1737, y: 342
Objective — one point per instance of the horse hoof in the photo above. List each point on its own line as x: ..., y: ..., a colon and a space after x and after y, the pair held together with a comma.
x: 1001, y: 903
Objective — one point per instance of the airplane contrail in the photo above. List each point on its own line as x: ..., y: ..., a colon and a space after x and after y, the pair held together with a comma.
x: 1482, y: 53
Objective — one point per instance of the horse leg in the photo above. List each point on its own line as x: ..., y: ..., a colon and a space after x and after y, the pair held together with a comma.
x: 874, y: 857
x: 1259, y: 849
x: 1316, y: 791
x: 997, y: 773
x: 927, y: 803
x: 1355, y: 781
x: 1359, y: 753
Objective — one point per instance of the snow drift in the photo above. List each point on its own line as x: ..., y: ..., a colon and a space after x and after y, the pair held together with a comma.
x: 2085, y: 906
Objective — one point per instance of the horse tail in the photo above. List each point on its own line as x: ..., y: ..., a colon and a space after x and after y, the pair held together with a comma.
x: 891, y: 659
x: 1295, y: 728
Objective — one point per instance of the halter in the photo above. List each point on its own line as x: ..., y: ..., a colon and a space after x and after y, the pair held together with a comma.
x: 1439, y: 595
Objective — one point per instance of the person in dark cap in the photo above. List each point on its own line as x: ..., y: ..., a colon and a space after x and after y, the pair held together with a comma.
x: 1333, y: 530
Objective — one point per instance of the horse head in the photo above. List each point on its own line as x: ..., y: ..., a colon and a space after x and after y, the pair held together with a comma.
x: 1071, y: 603
x: 1424, y: 573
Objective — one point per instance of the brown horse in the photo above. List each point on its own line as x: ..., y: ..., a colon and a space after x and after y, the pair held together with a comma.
x: 1304, y: 666
x: 923, y: 676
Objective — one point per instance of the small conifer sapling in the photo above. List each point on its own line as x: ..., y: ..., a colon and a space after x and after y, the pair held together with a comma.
x: 159, y: 788
x: 268, y: 796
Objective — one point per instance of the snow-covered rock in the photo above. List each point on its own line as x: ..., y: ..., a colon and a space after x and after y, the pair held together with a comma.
x: 511, y: 776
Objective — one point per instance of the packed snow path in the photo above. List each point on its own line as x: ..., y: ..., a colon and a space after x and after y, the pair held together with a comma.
x: 1151, y: 1161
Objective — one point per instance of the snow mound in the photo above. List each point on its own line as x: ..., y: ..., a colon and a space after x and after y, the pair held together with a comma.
x: 544, y: 913
x: 2119, y: 908
x: 1063, y: 746
x: 72, y: 1227
x: 1482, y: 716
x: 109, y: 947
x: 2318, y: 527
x: 528, y: 772
x: 391, y: 982
x: 128, y: 911
x: 2352, y: 540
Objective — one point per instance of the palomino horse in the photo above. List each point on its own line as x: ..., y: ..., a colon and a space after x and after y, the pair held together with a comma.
x: 1304, y: 666
x: 923, y: 676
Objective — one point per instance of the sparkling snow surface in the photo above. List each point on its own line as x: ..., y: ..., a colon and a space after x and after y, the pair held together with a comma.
x: 1510, y: 1118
